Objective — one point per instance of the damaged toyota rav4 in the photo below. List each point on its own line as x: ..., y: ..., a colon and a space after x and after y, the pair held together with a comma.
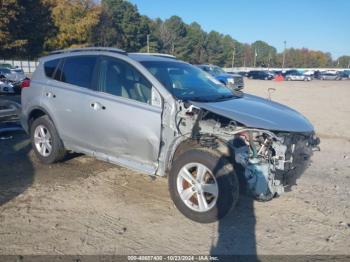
x: 161, y: 116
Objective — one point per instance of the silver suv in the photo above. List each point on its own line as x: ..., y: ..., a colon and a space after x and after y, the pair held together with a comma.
x: 161, y: 116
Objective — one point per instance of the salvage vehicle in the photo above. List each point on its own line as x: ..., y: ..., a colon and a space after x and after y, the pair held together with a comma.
x: 6, y: 87
x: 17, y: 74
x: 10, y: 81
x: 234, y: 81
x: 161, y: 116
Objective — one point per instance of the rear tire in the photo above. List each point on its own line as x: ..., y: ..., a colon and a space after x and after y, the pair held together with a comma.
x: 47, y: 145
x: 218, y: 172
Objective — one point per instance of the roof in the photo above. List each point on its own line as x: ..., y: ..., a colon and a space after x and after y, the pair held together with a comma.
x: 141, y: 57
x: 91, y: 49
x: 136, y: 56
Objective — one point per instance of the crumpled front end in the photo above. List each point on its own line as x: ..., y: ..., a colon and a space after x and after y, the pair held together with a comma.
x: 273, y: 162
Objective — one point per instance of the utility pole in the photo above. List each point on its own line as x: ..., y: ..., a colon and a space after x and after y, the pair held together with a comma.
x: 284, y: 53
x: 255, y: 55
x: 148, y: 43
x: 233, y: 57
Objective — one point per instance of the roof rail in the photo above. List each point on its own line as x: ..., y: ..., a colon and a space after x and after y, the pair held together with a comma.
x: 101, y: 49
x: 156, y: 54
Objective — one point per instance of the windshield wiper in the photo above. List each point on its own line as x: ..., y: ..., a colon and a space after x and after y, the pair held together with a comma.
x: 198, y: 99
x: 225, y: 97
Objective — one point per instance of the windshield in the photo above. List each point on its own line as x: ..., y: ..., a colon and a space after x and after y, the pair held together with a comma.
x: 187, y: 82
x: 217, y: 71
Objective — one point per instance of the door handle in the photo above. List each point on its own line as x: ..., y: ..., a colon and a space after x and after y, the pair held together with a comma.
x: 97, y: 106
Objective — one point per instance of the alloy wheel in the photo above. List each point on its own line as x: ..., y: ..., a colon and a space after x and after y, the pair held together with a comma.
x: 42, y: 140
x: 197, y: 187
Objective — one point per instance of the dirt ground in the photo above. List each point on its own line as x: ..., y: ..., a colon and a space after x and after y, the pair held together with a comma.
x: 85, y: 206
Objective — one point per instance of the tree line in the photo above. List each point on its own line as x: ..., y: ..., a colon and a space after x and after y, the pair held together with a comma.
x: 31, y: 28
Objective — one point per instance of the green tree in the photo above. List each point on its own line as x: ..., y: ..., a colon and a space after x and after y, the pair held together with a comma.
x: 343, y: 61
x: 172, y: 33
x: 194, y: 45
x: 265, y: 54
x: 215, y: 48
x: 121, y: 26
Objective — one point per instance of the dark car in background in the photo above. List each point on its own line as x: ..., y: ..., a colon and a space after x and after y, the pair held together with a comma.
x: 263, y: 75
x: 234, y: 81
x: 345, y: 74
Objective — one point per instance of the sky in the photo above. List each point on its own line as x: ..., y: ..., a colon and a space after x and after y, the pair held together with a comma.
x: 315, y: 24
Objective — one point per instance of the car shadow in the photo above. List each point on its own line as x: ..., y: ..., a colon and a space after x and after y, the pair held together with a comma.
x: 236, y: 233
x: 236, y: 238
x: 16, y: 168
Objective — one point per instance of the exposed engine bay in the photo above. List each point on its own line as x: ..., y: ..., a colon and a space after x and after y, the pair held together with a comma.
x: 271, y: 160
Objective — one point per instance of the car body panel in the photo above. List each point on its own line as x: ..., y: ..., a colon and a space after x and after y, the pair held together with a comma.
x: 82, y: 127
x: 254, y: 111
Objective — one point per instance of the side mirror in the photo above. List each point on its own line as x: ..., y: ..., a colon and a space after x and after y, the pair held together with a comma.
x: 156, y: 99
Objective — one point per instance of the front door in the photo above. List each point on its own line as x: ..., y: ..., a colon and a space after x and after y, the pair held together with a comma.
x: 126, y: 125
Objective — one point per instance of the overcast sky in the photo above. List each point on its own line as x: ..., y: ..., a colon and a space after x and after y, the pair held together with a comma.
x: 316, y: 24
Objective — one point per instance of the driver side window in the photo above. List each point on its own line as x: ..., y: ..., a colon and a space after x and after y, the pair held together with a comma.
x: 119, y: 78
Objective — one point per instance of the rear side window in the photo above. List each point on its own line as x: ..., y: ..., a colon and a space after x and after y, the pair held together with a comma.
x: 50, y: 67
x: 79, y: 70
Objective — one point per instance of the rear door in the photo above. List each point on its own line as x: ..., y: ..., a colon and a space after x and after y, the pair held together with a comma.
x: 67, y: 95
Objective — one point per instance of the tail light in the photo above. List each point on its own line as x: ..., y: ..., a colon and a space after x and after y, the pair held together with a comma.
x: 25, y: 83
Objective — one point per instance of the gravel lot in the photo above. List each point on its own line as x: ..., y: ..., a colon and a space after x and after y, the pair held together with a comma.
x: 85, y: 206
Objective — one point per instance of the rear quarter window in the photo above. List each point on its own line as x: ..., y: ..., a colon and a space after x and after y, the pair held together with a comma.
x: 50, y: 67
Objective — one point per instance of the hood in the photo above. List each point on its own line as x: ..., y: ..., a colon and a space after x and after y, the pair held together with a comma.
x: 229, y: 75
x: 256, y: 112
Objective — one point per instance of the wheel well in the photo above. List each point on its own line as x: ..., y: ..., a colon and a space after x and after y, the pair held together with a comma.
x: 222, y: 148
x: 218, y: 145
x: 35, y: 114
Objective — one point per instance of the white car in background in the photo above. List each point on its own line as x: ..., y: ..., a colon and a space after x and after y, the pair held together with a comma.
x: 297, y: 76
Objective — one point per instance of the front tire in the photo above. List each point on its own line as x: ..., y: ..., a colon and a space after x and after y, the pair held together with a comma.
x: 46, y: 143
x: 203, y: 185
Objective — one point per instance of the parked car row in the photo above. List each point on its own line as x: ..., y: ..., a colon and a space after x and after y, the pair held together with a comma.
x: 296, y: 75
